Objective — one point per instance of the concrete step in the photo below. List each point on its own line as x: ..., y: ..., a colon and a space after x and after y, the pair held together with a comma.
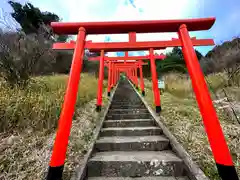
x: 128, y: 123
x: 127, y: 103
x: 130, y: 106
x: 127, y: 111
x: 128, y: 116
x: 132, y: 143
x: 131, y: 131
x: 132, y: 98
x: 126, y: 99
x: 139, y: 178
x: 135, y: 164
x: 129, y: 97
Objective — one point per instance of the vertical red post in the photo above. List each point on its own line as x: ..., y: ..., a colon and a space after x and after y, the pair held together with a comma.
x: 114, y: 72
x: 100, y: 82
x: 126, y: 55
x: 213, y: 129
x: 155, y: 82
x: 112, y: 78
x: 136, y: 74
x: 129, y: 74
x: 132, y: 36
x: 119, y: 74
x: 109, y: 77
x: 115, y: 76
x: 65, y: 122
x: 141, y: 78
x: 133, y: 77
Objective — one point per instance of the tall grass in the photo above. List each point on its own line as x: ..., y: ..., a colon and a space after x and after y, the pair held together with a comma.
x: 38, y: 106
x: 180, y: 84
x: 32, y: 115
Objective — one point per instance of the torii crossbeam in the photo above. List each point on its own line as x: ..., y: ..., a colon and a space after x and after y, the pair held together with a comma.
x: 132, y: 46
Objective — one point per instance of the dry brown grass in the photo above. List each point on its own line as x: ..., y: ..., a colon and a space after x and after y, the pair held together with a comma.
x: 38, y: 105
x: 181, y: 115
x: 26, y: 149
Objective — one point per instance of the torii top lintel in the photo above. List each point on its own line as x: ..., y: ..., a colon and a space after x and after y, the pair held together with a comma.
x: 122, y: 27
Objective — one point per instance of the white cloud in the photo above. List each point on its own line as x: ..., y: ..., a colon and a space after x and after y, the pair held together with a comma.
x: 117, y: 10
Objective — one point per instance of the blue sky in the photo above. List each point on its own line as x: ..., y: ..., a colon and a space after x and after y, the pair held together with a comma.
x: 226, y: 12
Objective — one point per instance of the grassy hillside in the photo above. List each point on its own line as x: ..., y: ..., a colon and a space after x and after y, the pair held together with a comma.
x: 38, y: 105
x: 181, y: 115
x: 28, y: 124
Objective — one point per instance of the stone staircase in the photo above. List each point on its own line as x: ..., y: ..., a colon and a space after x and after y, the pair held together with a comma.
x: 130, y: 145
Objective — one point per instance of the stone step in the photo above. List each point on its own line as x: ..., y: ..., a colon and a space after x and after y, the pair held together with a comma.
x: 139, y: 178
x: 135, y: 164
x: 126, y: 99
x: 132, y: 106
x: 120, y: 100
x: 133, y: 98
x: 132, y: 143
x: 131, y: 131
x: 128, y: 116
x: 129, y: 123
x: 127, y: 111
x: 126, y: 103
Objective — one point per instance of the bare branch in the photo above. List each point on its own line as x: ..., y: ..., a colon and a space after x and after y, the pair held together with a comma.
x: 7, y: 23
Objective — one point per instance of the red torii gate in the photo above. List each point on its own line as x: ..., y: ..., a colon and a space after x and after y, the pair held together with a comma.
x: 213, y: 129
x: 133, y: 65
x: 133, y: 45
x: 126, y: 57
x: 122, y: 46
x: 113, y: 76
x: 124, y: 64
x: 124, y: 67
x: 153, y: 72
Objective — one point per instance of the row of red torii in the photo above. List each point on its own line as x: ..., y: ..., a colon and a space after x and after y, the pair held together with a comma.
x: 114, y: 63
x: 126, y: 64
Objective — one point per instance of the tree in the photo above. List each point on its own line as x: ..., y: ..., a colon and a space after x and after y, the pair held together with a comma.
x: 199, y: 55
x: 22, y: 56
x: 173, y: 62
x: 31, y: 19
x: 177, y: 52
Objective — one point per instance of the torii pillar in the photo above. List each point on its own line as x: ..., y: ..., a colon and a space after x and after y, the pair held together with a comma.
x: 100, y: 82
